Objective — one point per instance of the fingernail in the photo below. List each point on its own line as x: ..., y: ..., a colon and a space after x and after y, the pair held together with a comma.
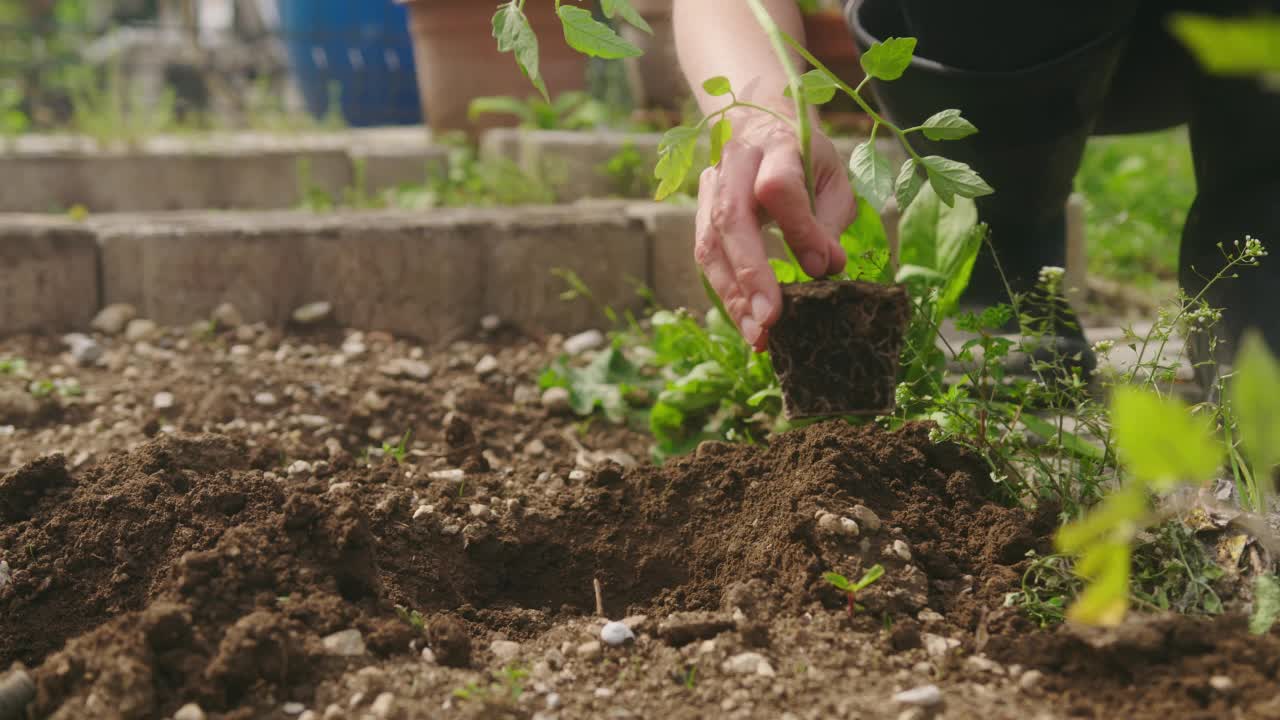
x: 761, y: 308
x: 813, y: 263
x: 750, y: 330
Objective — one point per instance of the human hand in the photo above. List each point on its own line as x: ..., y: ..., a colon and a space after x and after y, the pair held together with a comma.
x: 761, y: 177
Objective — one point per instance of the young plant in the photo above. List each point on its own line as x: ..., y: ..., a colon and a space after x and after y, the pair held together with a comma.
x: 851, y: 589
x: 413, y: 618
x: 568, y: 111
x: 400, y: 450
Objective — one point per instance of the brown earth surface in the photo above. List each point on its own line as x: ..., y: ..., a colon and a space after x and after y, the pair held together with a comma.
x: 248, y: 553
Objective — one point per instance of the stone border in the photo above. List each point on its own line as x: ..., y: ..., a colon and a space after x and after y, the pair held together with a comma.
x: 429, y: 275
x: 229, y: 171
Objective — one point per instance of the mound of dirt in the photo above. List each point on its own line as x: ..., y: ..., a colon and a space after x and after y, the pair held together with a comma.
x: 180, y: 571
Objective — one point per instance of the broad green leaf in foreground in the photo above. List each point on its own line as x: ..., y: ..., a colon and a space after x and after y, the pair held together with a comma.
x: 948, y: 125
x: 1160, y: 441
x: 816, y: 87
x: 950, y: 178
x: 888, y: 60
x: 1106, y: 598
x: 515, y: 35
x: 592, y: 37
x: 624, y: 9
x: 872, y: 175
x: 908, y: 185
x: 1253, y: 391
x: 1266, y: 604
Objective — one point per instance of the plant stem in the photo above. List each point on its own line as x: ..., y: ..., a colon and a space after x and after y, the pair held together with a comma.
x: 780, y: 40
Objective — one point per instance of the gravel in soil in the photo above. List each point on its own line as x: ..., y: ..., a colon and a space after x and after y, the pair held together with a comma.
x: 227, y: 554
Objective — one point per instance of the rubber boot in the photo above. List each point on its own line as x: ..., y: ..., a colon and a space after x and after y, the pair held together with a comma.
x: 1237, y: 162
x: 1033, y: 125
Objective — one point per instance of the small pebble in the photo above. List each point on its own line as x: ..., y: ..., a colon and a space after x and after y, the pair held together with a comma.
x: 299, y: 468
x: 6, y: 575
x: 578, y: 475
x: 556, y: 400
x: 979, y: 663
x: 347, y: 643
x: 423, y: 511
x: 1221, y: 683
x: 453, y: 475
x: 489, y: 323
x: 748, y: 663
x: 616, y: 633
x: 938, y: 646
x: 849, y: 527
x: 1031, y: 680
x: 112, y: 319
x: 84, y: 350
x: 227, y: 316
x: 829, y: 524
x: 428, y: 656
x: 553, y: 701
x: 923, y: 696
x: 604, y: 693
x: 487, y: 366
x: 383, y: 705
x: 313, y: 313
x: 265, y: 399
x: 584, y: 342
x: 589, y: 650
x: 309, y: 715
x: 480, y: 511
x: 293, y: 708
x: 504, y: 650
x: 902, y: 550
x: 866, y: 517
x: 163, y: 401
x: 190, y: 711
x: 140, y: 329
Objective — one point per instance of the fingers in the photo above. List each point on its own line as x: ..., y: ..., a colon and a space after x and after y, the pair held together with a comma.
x: 780, y: 187
x: 730, y: 250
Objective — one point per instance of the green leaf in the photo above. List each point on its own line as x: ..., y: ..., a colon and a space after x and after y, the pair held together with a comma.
x: 872, y: 176
x: 1117, y: 517
x: 948, y: 125
x: 875, y: 573
x: 676, y: 151
x: 1161, y: 441
x: 838, y: 581
x: 592, y: 37
x: 1231, y: 46
x: 866, y: 245
x: 721, y: 133
x: 1105, y: 599
x: 1254, y: 388
x: 816, y: 88
x: 627, y: 11
x: 950, y: 178
x: 1069, y: 441
x: 717, y: 86
x: 502, y: 105
x: 515, y: 35
x: 907, y: 185
x: 1266, y: 604
x: 888, y: 60
x: 602, y: 385
x: 946, y: 240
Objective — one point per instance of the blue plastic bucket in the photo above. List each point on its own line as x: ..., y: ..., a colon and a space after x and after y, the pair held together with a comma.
x: 356, y: 53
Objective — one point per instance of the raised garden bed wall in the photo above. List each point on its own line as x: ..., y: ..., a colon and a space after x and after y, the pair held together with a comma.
x: 240, y: 171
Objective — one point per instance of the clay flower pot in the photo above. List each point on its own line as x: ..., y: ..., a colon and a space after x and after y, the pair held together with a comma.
x: 836, y: 347
x: 458, y: 59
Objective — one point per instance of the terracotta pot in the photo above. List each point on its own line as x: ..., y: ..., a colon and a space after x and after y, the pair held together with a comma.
x: 458, y: 59
x: 829, y: 39
x: 661, y: 83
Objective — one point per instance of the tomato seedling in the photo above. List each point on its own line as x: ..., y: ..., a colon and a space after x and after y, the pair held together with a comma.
x: 851, y: 589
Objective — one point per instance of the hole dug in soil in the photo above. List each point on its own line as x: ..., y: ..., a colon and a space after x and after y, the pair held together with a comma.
x: 183, y: 572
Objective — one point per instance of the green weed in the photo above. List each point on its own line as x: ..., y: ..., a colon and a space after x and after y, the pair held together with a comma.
x: 851, y: 589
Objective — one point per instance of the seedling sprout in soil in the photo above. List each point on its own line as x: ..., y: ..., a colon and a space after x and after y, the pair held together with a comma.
x: 851, y: 589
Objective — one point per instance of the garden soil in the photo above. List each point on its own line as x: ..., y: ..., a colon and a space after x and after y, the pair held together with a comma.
x: 160, y: 558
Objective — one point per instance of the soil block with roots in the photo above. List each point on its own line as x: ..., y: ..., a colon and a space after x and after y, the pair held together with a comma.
x: 836, y: 347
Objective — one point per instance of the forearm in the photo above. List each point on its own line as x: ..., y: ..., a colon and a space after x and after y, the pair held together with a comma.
x: 722, y: 37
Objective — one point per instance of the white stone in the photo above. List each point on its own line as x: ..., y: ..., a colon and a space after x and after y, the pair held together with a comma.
x: 227, y: 316
x: 604, y: 693
x: 423, y: 511
x: 489, y: 323
x: 190, y: 711
x: 829, y: 524
x: 748, y: 663
x: 6, y: 575
x: 112, y: 319
x: 902, y: 550
x: 140, y: 329
x: 1031, y: 680
x: 553, y: 701
x: 1221, y: 683
x: 938, y: 646
x: 312, y: 421
x: 428, y: 656
x: 453, y: 475
x: 866, y: 517
x: 293, y: 708
x: 84, y: 350
x: 923, y: 696
x: 849, y: 527
x: 504, y: 650
x: 404, y: 367
x: 584, y: 341
x: 487, y: 366
x: 347, y: 643
x: 590, y: 649
x: 556, y: 400
x: 163, y: 401
x: 480, y: 511
x: 616, y: 633
x: 299, y: 468
x: 382, y: 705
x: 578, y: 475
x: 313, y: 313
x: 980, y: 663
x: 266, y: 399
